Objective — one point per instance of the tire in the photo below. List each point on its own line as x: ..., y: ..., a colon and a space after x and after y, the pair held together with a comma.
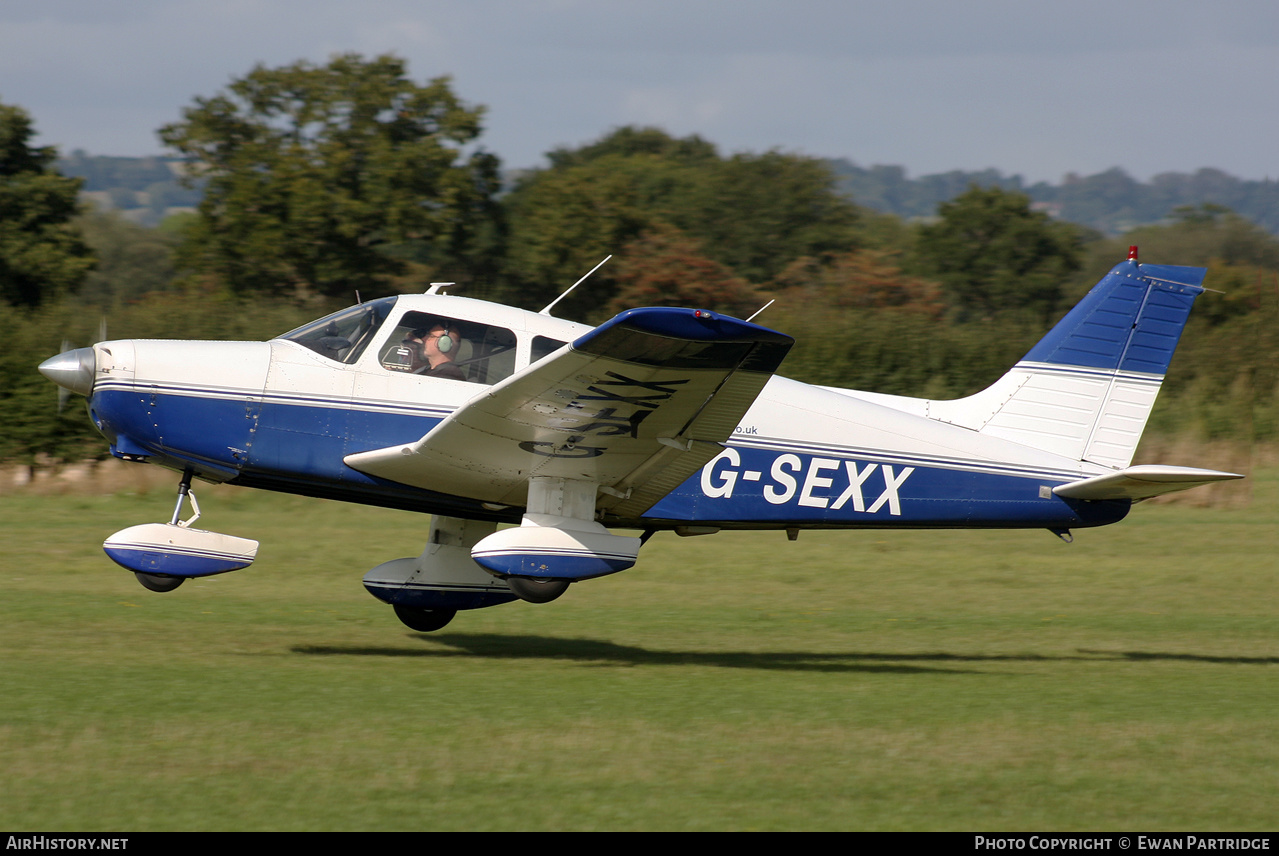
x: 156, y: 582
x: 535, y: 590
x: 424, y: 620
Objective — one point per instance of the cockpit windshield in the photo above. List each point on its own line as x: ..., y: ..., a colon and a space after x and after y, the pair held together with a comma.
x: 344, y: 335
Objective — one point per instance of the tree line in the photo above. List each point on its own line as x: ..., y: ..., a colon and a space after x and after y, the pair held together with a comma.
x: 318, y: 182
x: 1110, y: 202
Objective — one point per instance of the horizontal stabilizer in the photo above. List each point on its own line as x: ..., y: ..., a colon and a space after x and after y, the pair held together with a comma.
x: 1137, y: 483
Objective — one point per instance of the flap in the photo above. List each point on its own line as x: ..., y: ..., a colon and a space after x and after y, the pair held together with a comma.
x: 637, y: 405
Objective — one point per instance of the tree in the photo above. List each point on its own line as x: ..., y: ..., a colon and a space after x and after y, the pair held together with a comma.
x: 992, y: 253
x: 1240, y: 256
x: 41, y: 254
x: 753, y: 214
x: 866, y: 279
x: 132, y: 260
x: 760, y: 211
x: 665, y: 267
x: 564, y: 221
x: 317, y: 176
x: 629, y: 141
x: 1204, y: 234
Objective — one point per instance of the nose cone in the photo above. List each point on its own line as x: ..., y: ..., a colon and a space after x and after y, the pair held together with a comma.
x: 71, y: 370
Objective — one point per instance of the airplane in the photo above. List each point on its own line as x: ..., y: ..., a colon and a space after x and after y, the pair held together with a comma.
x: 661, y: 419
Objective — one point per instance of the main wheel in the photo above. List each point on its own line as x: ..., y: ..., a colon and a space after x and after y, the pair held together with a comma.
x: 535, y: 590
x: 155, y: 582
x: 424, y: 620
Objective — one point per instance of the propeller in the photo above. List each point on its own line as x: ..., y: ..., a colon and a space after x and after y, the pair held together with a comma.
x: 73, y: 368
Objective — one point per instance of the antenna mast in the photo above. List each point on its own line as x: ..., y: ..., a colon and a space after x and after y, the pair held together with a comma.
x: 551, y: 305
x: 761, y: 309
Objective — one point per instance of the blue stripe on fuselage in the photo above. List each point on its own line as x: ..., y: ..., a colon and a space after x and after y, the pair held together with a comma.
x: 278, y: 444
x: 763, y: 486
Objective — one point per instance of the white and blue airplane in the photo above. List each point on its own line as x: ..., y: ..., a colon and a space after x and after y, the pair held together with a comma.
x: 661, y: 419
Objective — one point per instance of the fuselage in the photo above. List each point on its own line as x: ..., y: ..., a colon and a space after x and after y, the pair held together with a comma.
x: 283, y: 415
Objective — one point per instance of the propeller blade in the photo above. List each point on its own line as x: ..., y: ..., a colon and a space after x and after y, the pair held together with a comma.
x: 63, y: 392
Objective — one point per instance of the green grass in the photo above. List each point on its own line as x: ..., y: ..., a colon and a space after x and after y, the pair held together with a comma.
x: 873, y: 680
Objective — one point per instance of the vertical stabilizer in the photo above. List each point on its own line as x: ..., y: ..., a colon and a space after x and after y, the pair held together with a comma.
x: 1086, y: 390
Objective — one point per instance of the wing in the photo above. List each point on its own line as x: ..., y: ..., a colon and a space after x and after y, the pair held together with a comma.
x: 637, y: 405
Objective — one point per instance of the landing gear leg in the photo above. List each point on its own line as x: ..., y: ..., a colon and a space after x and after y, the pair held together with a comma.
x: 162, y: 555
x: 185, y: 492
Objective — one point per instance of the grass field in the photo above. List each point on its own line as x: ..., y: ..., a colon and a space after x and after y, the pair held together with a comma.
x: 875, y: 680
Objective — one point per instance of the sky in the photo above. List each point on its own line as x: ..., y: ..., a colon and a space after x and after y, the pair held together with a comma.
x: 1039, y: 88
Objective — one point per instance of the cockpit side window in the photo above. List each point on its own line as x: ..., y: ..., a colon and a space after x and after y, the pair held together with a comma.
x: 439, y: 346
x: 544, y: 346
x: 344, y: 335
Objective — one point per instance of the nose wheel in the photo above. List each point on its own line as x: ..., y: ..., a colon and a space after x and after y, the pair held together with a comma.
x: 163, y: 555
x: 159, y: 582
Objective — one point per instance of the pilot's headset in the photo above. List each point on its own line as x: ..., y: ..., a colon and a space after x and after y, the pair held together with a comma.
x: 446, y: 341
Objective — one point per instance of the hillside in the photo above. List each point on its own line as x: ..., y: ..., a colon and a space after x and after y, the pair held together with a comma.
x: 145, y: 190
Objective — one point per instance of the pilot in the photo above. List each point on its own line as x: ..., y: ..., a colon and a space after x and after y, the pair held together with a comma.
x: 435, y: 348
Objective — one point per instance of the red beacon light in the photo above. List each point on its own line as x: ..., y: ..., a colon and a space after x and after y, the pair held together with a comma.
x: 1132, y: 253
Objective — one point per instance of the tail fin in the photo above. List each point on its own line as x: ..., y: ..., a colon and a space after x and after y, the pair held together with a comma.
x: 1086, y: 390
